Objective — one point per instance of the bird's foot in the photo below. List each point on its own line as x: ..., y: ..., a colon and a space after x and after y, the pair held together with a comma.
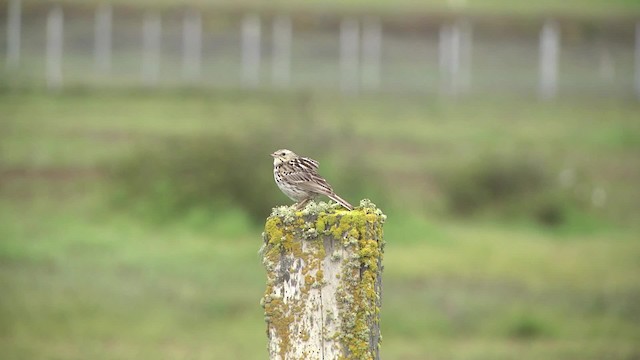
x: 300, y: 205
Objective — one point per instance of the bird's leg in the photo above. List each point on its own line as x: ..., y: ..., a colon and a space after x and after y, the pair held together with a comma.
x: 300, y: 205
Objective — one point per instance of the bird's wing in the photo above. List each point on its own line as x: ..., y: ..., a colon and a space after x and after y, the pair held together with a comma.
x: 304, y: 174
x: 317, y: 184
x: 308, y: 163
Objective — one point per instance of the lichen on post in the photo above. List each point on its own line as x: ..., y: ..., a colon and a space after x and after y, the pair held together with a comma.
x: 324, y: 281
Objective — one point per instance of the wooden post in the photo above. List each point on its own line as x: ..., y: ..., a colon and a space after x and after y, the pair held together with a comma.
x: 450, y: 48
x: 371, y: 53
x: 607, y: 67
x: 466, y: 55
x: 55, y: 39
x: 454, y: 65
x: 349, y: 49
x: 14, y: 19
x: 102, y: 33
x: 637, y: 62
x: 549, y: 56
x: 281, y: 56
x: 251, y: 52
x: 151, y: 47
x: 191, y: 45
x: 324, y: 282
x: 455, y: 51
x: 444, y: 58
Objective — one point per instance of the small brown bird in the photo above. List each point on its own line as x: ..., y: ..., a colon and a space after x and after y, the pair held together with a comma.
x: 298, y: 178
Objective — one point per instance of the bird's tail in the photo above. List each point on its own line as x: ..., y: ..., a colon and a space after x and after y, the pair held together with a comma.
x: 340, y: 201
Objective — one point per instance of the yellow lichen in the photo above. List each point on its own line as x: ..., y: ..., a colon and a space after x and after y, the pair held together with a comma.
x: 304, y: 335
x: 309, y: 280
x: 359, y: 232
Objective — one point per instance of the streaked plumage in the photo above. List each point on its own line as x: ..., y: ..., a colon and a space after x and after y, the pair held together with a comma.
x: 298, y: 178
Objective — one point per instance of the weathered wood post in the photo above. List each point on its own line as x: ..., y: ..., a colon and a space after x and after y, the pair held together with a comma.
x: 324, y: 282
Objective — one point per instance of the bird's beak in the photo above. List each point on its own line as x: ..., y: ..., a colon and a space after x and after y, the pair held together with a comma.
x: 273, y: 154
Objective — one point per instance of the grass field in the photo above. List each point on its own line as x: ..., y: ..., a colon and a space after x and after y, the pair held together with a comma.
x: 580, y: 7
x: 82, y: 280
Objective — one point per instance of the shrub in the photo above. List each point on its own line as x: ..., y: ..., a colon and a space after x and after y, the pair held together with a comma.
x: 180, y: 176
x: 527, y: 326
x: 354, y: 179
x: 507, y: 186
x: 172, y: 178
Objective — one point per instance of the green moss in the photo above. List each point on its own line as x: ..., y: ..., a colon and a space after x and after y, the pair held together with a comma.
x: 360, y: 233
x: 358, y: 297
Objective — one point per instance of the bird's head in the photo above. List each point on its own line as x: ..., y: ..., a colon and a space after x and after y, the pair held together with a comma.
x: 282, y: 155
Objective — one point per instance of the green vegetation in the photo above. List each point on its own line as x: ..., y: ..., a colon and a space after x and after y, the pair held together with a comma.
x: 588, y: 7
x: 85, y: 274
x: 181, y: 176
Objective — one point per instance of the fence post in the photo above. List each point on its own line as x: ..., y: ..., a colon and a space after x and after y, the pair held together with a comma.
x: 450, y: 48
x: 349, y: 49
x: 13, y: 33
x: 55, y: 41
x: 324, y: 282
x: 102, y: 50
x: 281, y: 56
x: 191, y: 45
x: 606, y: 65
x: 549, y: 55
x: 637, y: 61
x: 251, y: 51
x: 371, y: 53
x: 444, y: 57
x: 466, y: 55
x: 151, y: 42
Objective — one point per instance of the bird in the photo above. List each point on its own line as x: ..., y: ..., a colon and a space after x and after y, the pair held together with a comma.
x: 298, y: 178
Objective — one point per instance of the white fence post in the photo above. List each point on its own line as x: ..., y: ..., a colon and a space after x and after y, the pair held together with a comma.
x: 606, y: 68
x: 13, y: 33
x: 281, y: 57
x: 637, y: 61
x: 349, y: 49
x: 102, y: 50
x: 454, y: 68
x: 549, y: 55
x: 371, y: 53
x: 450, y: 55
x: 151, y: 42
x: 251, y: 51
x: 444, y: 57
x: 191, y: 45
x: 55, y: 40
x: 466, y: 56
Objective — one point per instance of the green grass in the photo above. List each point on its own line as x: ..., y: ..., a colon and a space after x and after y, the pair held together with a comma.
x: 81, y: 280
x: 589, y: 7
x: 79, y: 283
x: 420, y: 138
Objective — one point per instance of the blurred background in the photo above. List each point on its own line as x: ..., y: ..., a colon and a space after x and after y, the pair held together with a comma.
x: 502, y: 139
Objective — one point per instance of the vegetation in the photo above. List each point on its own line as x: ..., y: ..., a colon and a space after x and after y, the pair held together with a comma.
x: 85, y: 274
x: 208, y: 175
x: 589, y: 7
